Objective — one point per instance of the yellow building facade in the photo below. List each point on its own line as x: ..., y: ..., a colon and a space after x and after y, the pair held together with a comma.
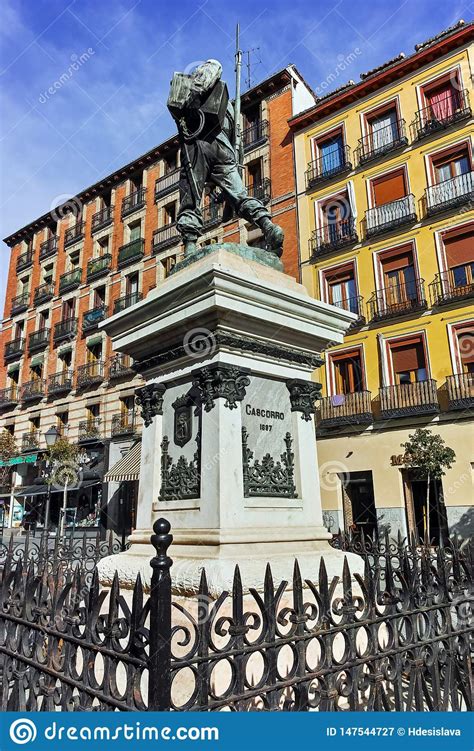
x: 386, y: 226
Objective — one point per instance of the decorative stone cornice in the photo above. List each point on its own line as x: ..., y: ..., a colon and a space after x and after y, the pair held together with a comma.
x: 303, y: 395
x: 221, y: 382
x: 150, y: 399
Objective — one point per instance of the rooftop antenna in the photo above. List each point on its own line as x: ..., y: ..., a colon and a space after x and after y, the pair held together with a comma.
x: 238, y: 73
x: 248, y: 80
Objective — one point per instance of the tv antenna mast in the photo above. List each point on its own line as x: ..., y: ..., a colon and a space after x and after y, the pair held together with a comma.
x: 248, y: 65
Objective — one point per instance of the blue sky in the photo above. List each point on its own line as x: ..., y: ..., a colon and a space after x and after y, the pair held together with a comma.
x: 110, y: 64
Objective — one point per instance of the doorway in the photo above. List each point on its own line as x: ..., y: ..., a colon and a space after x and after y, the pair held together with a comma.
x: 427, y: 518
x: 359, y: 511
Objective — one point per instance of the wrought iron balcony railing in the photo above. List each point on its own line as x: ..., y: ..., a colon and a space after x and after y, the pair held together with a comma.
x: 48, y: 247
x: 399, y: 300
x: 92, y: 318
x: 408, y: 399
x: 460, y: 388
x: 261, y: 190
x: 343, y: 409
x: 30, y: 440
x: 382, y: 141
x: 255, y: 134
x: 354, y: 305
x: 74, y: 234
x: 167, y: 184
x: 450, y: 194
x: 131, y: 252
x: 98, y: 267
x: 124, y: 423
x: 133, y: 202
x: 14, y: 349
x: 390, y: 215
x: 451, y: 286
x: 120, y: 366
x: 90, y: 374
x: 102, y: 218
x: 212, y: 214
x: 65, y: 329
x: 165, y: 237
x: 126, y: 301
x: 9, y: 396
x: 332, y: 236
x: 38, y: 339
x: 453, y: 108
x: 60, y: 383
x: 32, y: 390
x: 24, y: 260
x: 90, y: 430
x: 70, y: 280
x: 44, y: 292
x: 20, y: 302
x: 328, y: 166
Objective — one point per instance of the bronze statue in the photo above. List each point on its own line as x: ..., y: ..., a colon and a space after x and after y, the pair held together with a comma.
x: 200, y: 105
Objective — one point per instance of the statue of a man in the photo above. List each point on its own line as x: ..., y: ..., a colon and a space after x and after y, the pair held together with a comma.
x: 207, y: 156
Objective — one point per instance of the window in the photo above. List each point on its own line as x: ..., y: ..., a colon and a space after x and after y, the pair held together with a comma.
x: 451, y: 164
x: 442, y: 99
x: 23, y: 285
x: 131, y: 284
x: 465, y: 349
x: 136, y: 183
x: 254, y: 174
x: 94, y: 353
x: 62, y: 420
x: 98, y: 297
x: 43, y: 320
x: 337, y: 221
x: 48, y: 273
x: 341, y: 287
x: 252, y: 116
x: 92, y: 412
x: 399, y: 276
x: 171, y: 163
x: 408, y: 361
x: 105, y: 200
x: 73, y: 260
x: 19, y: 329
x: 168, y: 264
x: 459, y: 255
x: 331, y: 153
x: 347, y: 368
x: 390, y: 187
x: 36, y: 372
x: 135, y: 231
x: 68, y: 309
x: 102, y: 246
x: 383, y: 129
x: 65, y: 361
x: 169, y: 213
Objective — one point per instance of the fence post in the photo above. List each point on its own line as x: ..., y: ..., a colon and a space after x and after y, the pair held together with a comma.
x: 159, y: 659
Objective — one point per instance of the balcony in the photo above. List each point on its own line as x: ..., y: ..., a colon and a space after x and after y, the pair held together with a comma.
x: 328, y: 166
x: 32, y: 390
x: 460, y: 390
x: 120, y: 366
x: 127, y: 301
x: 92, y: 318
x: 167, y: 184
x: 60, y: 383
x: 212, y: 214
x: 89, y: 430
x: 452, y: 286
x: 66, y: 329
x: 44, y: 292
x: 453, y: 108
x: 354, y: 305
x: 30, y: 441
x: 399, y: 300
x: 331, y: 237
x: 98, y: 267
x: 383, y: 141
x: 8, y: 397
x: 165, y: 237
x: 70, y: 280
x: 390, y: 216
x: 38, y: 340
x: 48, y: 247
x: 408, y: 399
x: 131, y: 252
x: 255, y: 135
x: 74, y: 234
x: 450, y: 194
x: 346, y: 409
x: 20, y: 303
x: 24, y: 260
x: 261, y: 190
x: 102, y: 218
x: 133, y: 202
x: 14, y: 349
x: 124, y: 424
x: 90, y: 374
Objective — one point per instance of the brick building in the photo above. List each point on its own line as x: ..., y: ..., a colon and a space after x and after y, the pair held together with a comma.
x: 97, y: 254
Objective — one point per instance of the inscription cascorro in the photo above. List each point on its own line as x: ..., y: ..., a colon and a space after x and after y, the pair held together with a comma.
x: 266, y: 414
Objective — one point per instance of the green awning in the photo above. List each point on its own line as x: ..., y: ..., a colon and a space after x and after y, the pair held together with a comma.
x: 97, y: 339
x: 24, y: 459
x: 14, y: 367
x: 65, y: 348
x: 37, y: 360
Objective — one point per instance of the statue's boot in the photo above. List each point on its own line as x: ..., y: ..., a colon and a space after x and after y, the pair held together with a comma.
x: 190, y: 246
x: 274, y: 236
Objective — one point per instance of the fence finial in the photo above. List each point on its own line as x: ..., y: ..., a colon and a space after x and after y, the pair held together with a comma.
x: 161, y: 541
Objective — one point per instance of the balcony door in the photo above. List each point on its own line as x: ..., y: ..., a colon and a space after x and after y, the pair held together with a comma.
x: 459, y: 253
x: 442, y: 101
x: 331, y: 154
x: 383, y: 130
x: 359, y: 508
x: 399, y: 278
x: 336, y: 219
x: 389, y: 188
x: 409, y: 362
x: 348, y: 373
x: 67, y: 310
x: 428, y: 515
x: 342, y: 290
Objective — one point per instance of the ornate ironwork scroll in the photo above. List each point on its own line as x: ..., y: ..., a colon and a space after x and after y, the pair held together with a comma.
x: 303, y: 395
x: 268, y: 477
x: 182, y: 479
x: 150, y: 399
x: 221, y: 382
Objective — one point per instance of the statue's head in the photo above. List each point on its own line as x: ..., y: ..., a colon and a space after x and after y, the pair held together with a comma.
x: 205, y: 72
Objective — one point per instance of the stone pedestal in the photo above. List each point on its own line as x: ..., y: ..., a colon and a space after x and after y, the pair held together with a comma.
x: 227, y: 346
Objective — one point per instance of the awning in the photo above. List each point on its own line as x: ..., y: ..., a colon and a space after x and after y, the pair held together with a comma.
x: 127, y: 468
x: 43, y: 489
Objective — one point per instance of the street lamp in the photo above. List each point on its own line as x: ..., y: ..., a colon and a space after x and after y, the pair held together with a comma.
x: 51, y: 436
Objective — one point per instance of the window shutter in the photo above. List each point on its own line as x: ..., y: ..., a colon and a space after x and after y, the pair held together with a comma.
x: 389, y: 188
x: 408, y: 356
x: 396, y: 261
x: 460, y: 248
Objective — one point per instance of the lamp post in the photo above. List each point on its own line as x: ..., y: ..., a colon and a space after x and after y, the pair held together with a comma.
x: 51, y: 436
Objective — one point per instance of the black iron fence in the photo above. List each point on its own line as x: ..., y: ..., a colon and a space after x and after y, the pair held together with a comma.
x: 368, y: 642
